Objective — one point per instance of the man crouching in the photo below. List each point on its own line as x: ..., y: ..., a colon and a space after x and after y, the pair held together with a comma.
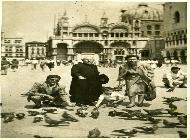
x: 49, y: 93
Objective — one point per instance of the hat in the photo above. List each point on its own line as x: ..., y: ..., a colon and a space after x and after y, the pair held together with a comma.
x: 175, y: 67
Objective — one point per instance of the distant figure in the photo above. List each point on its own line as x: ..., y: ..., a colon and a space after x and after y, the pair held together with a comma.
x: 175, y: 78
x: 167, y: 62
x: 58, y: 62
x: 4, y: 66
x: 50, y: 64
x: 34, y: 63
x: 49, y: 92
x: 85, y: 85
x: 174, y: 62
x: 43, y: 64
x: 27, y: 61
x: 14, y: 64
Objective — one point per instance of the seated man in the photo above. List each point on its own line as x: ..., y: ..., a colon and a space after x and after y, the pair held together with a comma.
x: 49, y: 92
x: 175, y: 78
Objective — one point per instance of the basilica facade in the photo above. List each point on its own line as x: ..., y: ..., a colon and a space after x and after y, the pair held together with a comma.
x: 138, y: 32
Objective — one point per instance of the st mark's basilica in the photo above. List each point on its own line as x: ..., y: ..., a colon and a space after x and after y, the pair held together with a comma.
x: 138, y: 32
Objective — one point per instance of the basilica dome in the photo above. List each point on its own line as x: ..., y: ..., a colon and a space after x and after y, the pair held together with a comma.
x: 142, y: 12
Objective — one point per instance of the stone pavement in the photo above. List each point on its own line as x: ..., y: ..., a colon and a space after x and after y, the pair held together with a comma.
x: 16, y: 83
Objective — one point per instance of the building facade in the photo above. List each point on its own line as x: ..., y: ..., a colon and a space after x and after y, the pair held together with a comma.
x: 13, y: 48
x: 134, y: 34
x: 175, y: 31
x: 35, y: 50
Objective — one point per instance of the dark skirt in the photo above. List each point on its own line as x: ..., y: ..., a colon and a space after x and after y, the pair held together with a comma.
x: 83, y: 91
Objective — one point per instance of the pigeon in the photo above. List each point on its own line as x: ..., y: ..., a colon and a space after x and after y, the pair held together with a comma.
x: 170, y: 124
x: 153, y: 120
x: 142, y: 116
x: 114, y: 113
x: 82, y: 112
x: 172, y: 99
x: 154, y: 112
x: 68, y: 117
x: 148, y: 129
x: 53, y: 122
x: 182, y: 134
x: 173, y: 113
x: 95, y: 113
x: 183, y: 120
x: 128, y: 115
x: 49, y: 110
x: 38, y: 136
x: 172, y: 106
x: 37, y: 119
x: 33, y: 113
x: 127, y: 132
x: 9, y: 118
x: 20, y: 116
x: 95, y: 133
x: 133, y: 112
x: 3, y: 115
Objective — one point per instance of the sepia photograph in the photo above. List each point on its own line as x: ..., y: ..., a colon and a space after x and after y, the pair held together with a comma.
x: 93, y: 69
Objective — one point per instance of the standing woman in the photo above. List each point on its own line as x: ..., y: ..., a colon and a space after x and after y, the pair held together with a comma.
x: 85, y: 85
x: 136, y: 80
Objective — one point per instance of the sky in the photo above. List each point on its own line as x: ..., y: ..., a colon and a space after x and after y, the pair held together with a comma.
x: 34, y: 20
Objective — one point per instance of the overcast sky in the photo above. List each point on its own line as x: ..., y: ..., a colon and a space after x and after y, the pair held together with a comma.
x: 35, y: 20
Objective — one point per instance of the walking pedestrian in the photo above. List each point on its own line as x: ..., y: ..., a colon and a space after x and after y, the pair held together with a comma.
x: 4, y: 66
x: 34, y: 63
x: 137, y: 78
x: 14, y: 64
x: 43, y: 64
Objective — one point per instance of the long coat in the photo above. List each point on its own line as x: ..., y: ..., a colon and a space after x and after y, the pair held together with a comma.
x: 136, y: 79
x: 85, y: 91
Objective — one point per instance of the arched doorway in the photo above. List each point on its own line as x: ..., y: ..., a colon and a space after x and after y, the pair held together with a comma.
x: 183, y: 57
x: 120, y: 50
x: 88, y: 48
x: 62, y: 51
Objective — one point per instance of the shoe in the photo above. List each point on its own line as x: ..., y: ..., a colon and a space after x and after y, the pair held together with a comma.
x: 130, y: 105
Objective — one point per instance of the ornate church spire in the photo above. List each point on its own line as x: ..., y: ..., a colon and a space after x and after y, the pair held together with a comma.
x: 104, y: 20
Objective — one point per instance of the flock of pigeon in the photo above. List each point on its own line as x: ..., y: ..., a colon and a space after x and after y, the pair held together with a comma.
x: 146, y: 115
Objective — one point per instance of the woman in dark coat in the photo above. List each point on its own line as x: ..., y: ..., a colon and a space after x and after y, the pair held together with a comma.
x: 85, y: 85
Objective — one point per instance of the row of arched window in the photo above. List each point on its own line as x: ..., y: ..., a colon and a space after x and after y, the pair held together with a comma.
x: 176, y: 40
